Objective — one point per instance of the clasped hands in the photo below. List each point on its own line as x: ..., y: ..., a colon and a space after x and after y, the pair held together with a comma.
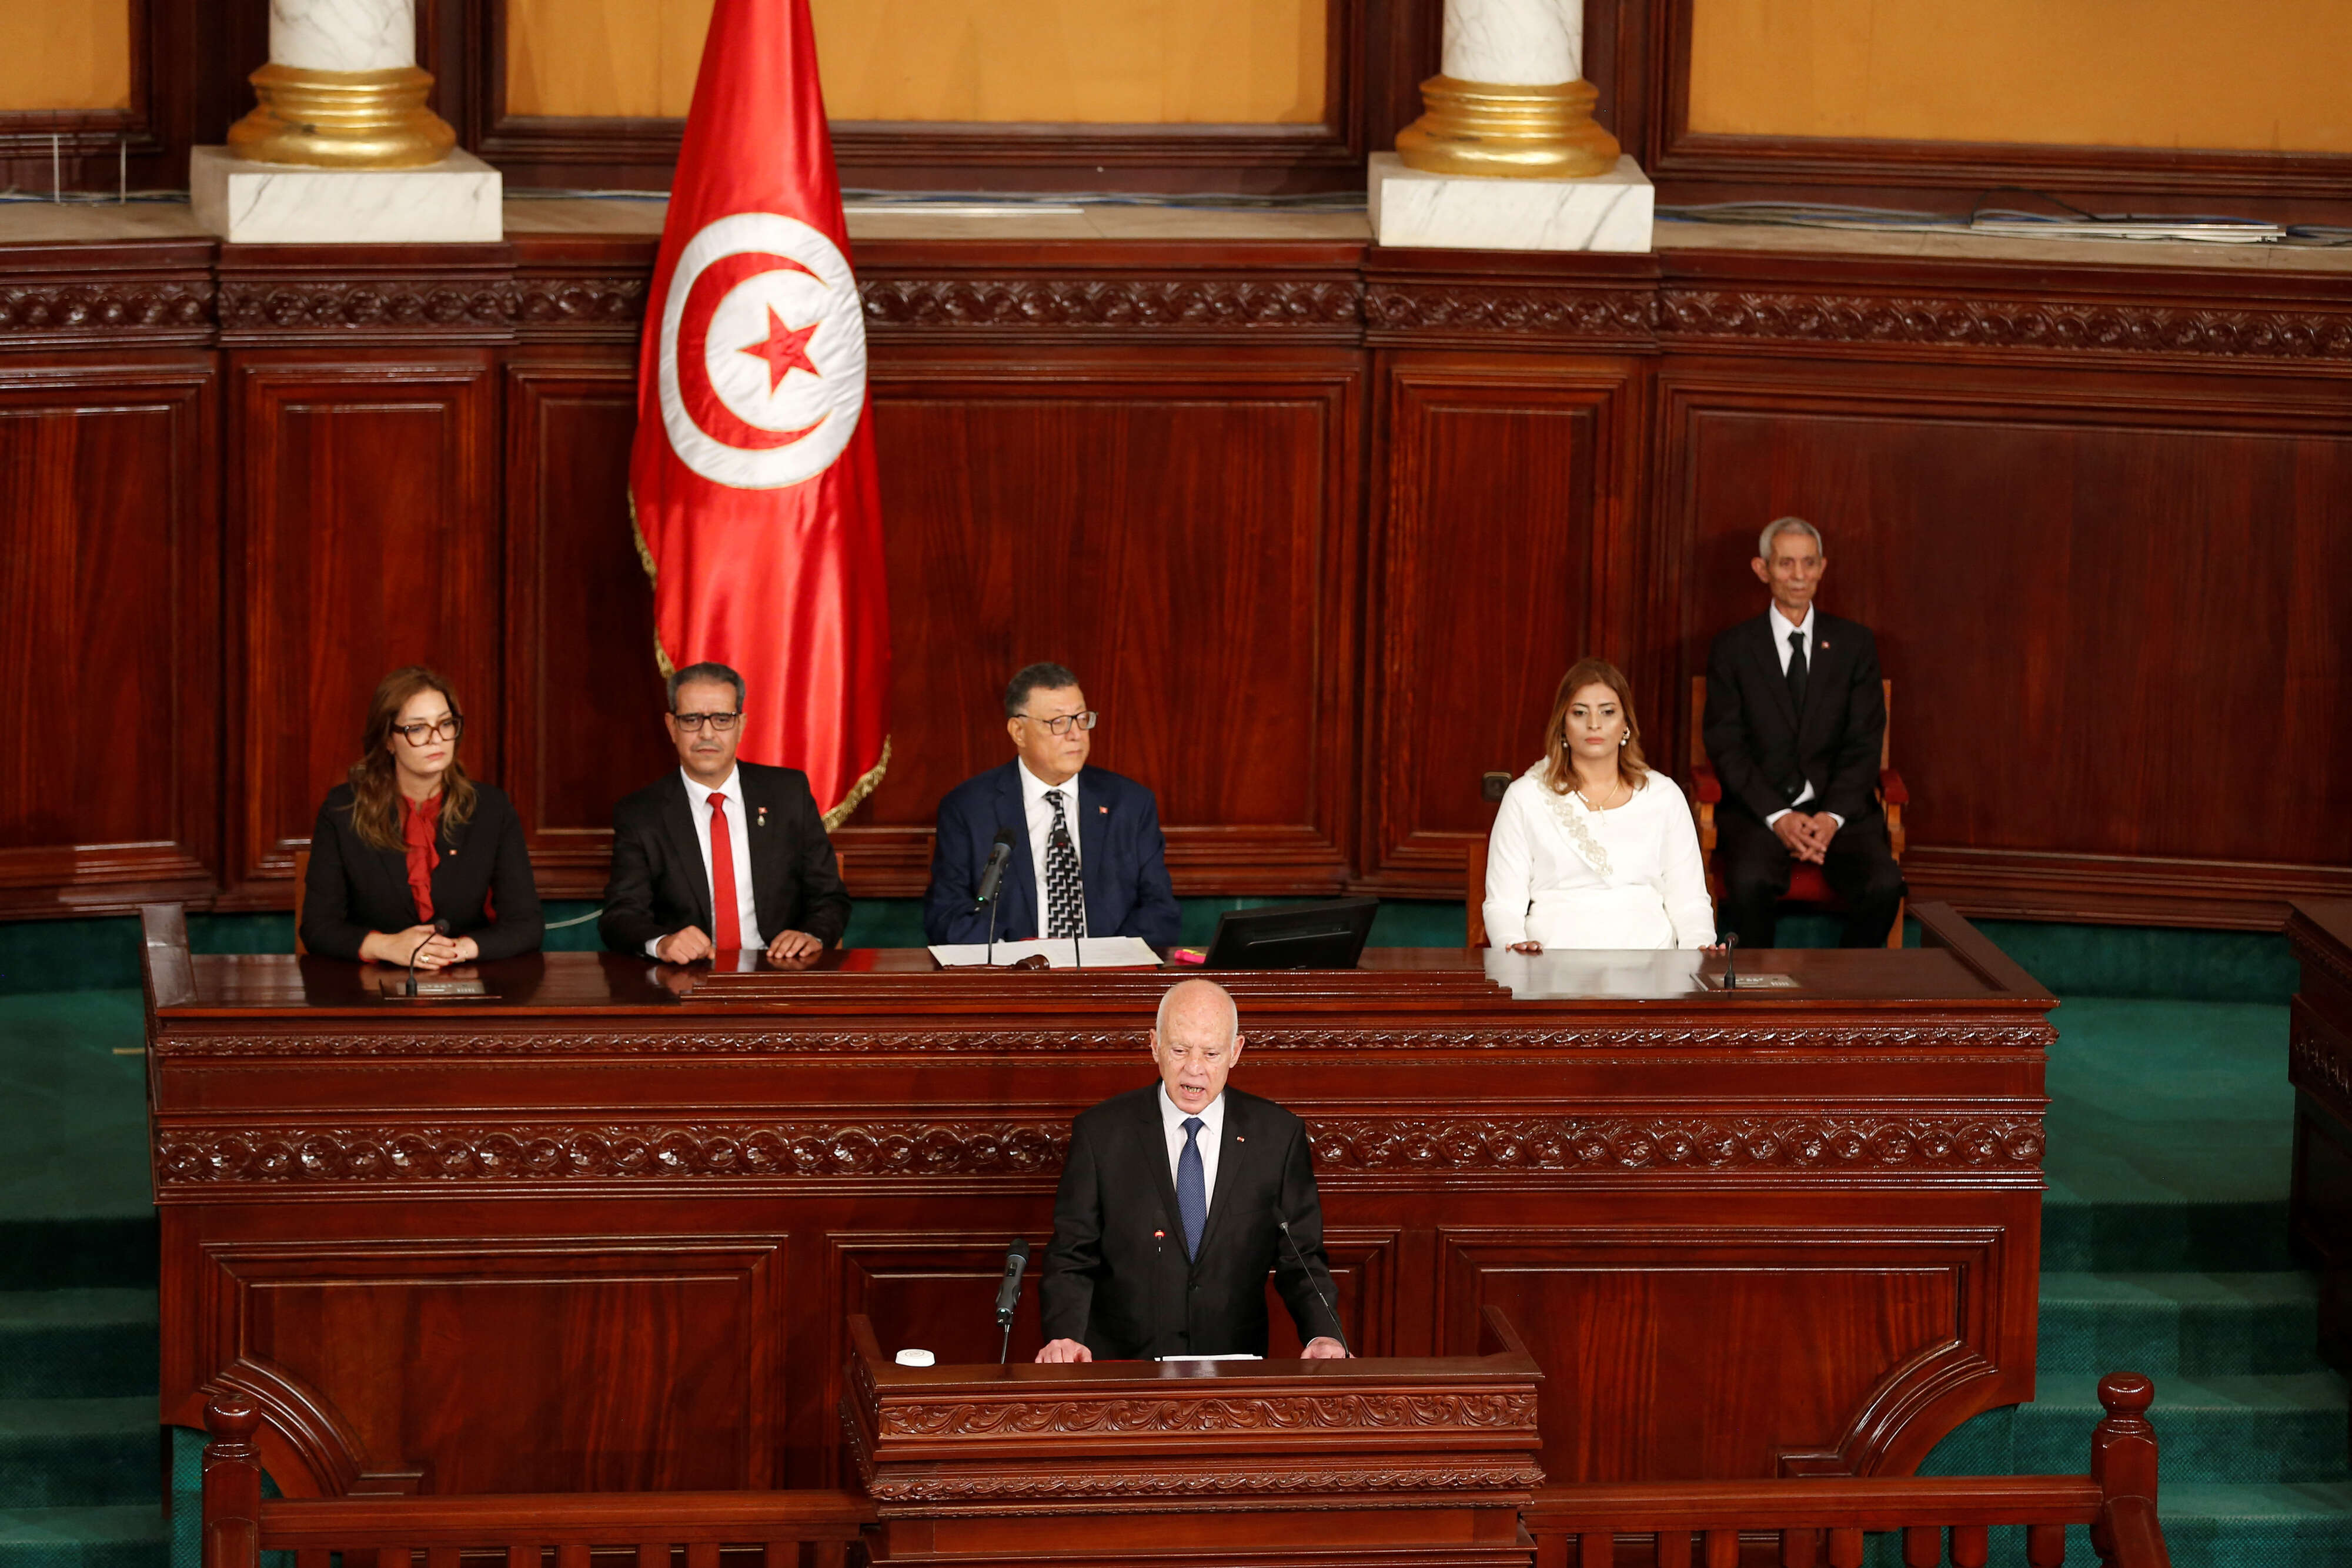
x: 1323, y: 1347
x: 420, y: 947
x: 790, y: 950
x: 1806, y: 836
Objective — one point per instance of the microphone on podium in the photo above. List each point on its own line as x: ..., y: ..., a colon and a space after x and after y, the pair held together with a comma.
x: 440, y: 928
x: 1300, y: 1258
x: 1008, y: 1294
x: 1730, y: 940
x: 991, y: 880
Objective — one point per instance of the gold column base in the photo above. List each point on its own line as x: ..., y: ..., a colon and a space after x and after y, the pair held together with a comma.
x: 1517, y: 132
x: 342, y: 120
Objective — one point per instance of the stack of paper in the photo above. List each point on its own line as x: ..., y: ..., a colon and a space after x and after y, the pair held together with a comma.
x: 1061, y: 953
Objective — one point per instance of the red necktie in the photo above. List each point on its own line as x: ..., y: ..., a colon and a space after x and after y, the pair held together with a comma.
x: 727, y: 933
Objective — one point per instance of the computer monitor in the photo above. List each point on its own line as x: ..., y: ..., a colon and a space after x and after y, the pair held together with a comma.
x: 1298, y: 936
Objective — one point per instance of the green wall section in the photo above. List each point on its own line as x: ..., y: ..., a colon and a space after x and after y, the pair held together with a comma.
x: 2073, y: 960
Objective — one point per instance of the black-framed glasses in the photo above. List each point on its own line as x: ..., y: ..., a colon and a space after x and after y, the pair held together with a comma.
x: 692, y: 723
x: 1062, y: 725
x: 449, y: 728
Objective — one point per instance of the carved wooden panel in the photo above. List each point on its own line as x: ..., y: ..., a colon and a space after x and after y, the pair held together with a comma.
x: 2066, y: 576
x: 616, y: 1366
x: 1627, y: 1324
x: 584, y: 696
x: 1180, y: 531
x: 1506, y: 482
x: 363, y: 508
x: 109, y: 563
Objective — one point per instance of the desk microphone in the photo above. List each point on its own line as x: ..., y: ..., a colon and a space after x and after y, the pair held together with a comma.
x: 440, y: 928
x: 992, y: 875
x: 1008, y: 1294
x: 1730, y: 940
x: 1301, y: 1259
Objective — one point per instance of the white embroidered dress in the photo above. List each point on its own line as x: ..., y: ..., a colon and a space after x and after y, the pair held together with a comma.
x: 1560, y: 873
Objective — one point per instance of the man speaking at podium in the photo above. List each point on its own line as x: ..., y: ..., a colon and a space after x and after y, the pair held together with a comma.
x: 1171, y: 1209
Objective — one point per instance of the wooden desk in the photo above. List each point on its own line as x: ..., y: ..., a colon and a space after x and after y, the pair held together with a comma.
x: 591, y: 1231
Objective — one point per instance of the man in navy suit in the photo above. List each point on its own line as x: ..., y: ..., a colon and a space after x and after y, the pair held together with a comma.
x: 1795, y: 719
x: 1087, y: 856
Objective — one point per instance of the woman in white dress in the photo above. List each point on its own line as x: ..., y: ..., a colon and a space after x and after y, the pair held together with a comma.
x: 1591, y: 849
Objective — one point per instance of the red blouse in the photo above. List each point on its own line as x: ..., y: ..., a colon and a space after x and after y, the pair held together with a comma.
x: 420, y: 829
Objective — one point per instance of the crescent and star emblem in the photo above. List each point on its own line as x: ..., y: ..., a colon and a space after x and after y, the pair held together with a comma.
x: 762, y: 371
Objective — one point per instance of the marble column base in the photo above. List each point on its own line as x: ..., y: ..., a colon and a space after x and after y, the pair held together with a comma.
x: 457, y: 201
x: 1458, y: 212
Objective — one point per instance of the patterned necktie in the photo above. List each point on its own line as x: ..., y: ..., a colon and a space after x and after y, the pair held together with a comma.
x: 1797, y: 671
x: 1192, y: 1188
x: 1065, y: 915
x: 726, y: 917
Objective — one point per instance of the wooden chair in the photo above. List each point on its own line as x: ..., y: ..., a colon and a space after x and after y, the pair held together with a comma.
x: 1809, y: 890
x: 1474, y: 865
x: 301, y: 892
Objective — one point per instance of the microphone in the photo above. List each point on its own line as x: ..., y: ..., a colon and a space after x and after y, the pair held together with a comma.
x: 1300, y: 1258
x: 1008, y: 1294
x: 440, y: 928
x: 1730, y: 940
x: 992, y: 875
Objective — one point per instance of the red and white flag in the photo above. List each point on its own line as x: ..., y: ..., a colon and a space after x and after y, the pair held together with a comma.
x: 753, y: 479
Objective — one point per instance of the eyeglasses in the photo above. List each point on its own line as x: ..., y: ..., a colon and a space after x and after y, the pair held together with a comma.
x: 1062, y: 725
x: 448, y: 728
x: 692, y: 723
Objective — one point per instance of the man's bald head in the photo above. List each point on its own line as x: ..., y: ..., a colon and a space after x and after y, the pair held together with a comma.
x: 1195, y: 1041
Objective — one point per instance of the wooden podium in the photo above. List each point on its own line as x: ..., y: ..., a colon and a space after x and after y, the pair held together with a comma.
x: 1393, y: 1459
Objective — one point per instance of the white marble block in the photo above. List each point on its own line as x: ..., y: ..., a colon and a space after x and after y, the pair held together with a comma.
x: 1462, y: 211
x: 455, y: 200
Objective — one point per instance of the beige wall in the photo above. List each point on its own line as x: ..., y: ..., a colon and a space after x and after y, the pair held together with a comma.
x: 65, y: 54
x: 2247, y: 75
x: 1167, y: 61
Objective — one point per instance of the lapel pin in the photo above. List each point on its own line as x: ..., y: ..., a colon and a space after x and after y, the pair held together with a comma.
x: 1241, y: 1137
x: 762, y: 820
x: 1104, y: 809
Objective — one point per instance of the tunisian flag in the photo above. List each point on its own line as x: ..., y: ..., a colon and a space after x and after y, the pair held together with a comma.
x: 753, y: 478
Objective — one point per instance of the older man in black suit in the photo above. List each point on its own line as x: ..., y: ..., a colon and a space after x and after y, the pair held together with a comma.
x: 718, y: 858
x: 1172, y: 1205
x: 1795, y: 719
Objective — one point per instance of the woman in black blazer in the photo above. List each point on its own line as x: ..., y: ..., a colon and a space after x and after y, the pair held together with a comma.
x: 411, y: 840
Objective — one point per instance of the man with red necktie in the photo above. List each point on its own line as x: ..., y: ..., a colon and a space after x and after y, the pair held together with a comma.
x: 721, y: 857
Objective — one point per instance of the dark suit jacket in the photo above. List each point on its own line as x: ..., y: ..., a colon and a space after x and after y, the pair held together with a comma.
x: 1127, y: 1294
x: 1759, y: 744
x: 1122, y: 857
x: 660, y: 883
x: 354, y: 888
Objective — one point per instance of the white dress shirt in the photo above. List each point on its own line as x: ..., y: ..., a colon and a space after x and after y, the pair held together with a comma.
x: 1563, y: 875
x: 1039, y: 813
x: 739, y: 839
x: 1211, y: 1136
x: 1781, y: 630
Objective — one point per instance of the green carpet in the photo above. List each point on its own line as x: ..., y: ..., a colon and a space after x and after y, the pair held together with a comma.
x: 2164, y: 1244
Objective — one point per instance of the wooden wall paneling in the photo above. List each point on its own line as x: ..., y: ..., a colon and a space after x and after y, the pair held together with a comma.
x: 583, y: 694
x: 109, y: 612
x: 364, y: 504
x: 1953, y: 176
x: 2077, y: 580
x: 605, y: 1364
x: 1177, y: 524
x: 1510, y: 481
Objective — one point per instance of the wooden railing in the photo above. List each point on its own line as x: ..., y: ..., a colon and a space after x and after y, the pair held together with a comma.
x: 528, y: 1530
x: 1808, y: 1522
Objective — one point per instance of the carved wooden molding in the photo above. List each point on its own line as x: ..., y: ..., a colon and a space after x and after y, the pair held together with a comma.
x: 470, y: 306
x: 1622, y: 317
x: 1345, y: 1412
x: 2316, y: 1059
x: 2126, y: 327
x: 1110, y: 303
x: 111, y: 307
x: 595, y: 306
x: 191, y: 1159
x: 1508, y: 1475
x: 1832, y: 1037
x: 1910, y: 1143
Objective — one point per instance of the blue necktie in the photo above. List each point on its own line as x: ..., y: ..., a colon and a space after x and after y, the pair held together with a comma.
x: 1192, y: 1188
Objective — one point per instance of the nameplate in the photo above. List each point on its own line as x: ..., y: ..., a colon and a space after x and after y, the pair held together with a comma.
x: 1744, y: 982
x: 434, y: 990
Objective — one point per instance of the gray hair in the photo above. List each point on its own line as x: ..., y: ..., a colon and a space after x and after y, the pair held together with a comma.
x: 1033, y: 677
x: 1233, y: 1011
x: 706, y: 672
x: 1778, y: 526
